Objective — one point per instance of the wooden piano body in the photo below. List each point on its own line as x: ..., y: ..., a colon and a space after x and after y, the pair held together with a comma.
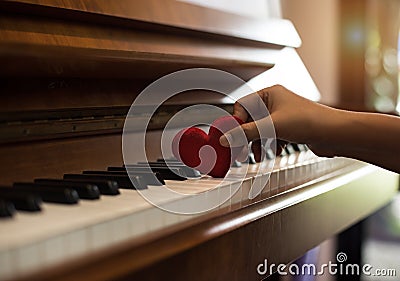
x: 70, y: 71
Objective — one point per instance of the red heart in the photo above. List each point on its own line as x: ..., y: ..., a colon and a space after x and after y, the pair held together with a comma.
x: 198, y: 150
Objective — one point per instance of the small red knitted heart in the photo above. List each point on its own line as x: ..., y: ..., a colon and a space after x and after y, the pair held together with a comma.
x: 198, y: 150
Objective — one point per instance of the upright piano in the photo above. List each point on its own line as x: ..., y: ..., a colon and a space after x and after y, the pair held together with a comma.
x: 70, y: 71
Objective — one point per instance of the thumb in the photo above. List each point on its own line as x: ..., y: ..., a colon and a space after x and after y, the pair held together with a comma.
x: 239, y: 136
x: 247, y: 132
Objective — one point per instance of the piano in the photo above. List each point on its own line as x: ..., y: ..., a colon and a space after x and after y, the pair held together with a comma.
x: 70, y: 71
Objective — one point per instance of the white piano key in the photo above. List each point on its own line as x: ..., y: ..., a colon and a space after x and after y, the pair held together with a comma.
x: 171, y: 218
x: 194, y: 186
x: 290, y: 176
x: 137, y: 224
x: 119, y: 229
x: 281, y: 179
x: 154, y: 218
x: 281, y: 161
x: 188, y: 198
x: 160, y: 195
x: 30, y: 256
x: 195, y: 204
x: 319, y: 168
x: 69, y: 231
x: 76, y: 242
x: 312, y: 171
x: 98, y: 235
x: 308, y: 173
x: 299, y: 173
x: 266, y: 179
x: 237, y: 193
x: 246, y: 187
x: 224, y: 193
x: 54, y: 249
x: 23, y: 227
x: 291, y: 159
x: 213, y: 197
x: 259, y: 183
x: 7, y: 265
x: 274, y: 183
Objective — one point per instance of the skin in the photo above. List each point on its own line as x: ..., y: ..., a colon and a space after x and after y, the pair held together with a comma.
x: 329, y: 132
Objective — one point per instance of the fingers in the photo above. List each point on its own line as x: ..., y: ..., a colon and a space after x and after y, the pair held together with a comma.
x: 251, y: 107
x: 240, y: 111
x: 242, y: 135
x: 244, y: 154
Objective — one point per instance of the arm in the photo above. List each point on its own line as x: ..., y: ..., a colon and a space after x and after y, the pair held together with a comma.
x: 374, y: 138
x: 371, y: 137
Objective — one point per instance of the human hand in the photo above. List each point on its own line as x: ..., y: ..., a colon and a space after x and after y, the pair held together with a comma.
x: 277, y: 110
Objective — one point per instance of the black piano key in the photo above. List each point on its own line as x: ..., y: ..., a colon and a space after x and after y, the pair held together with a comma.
x: 106, y: 187
x: 269, y: 154
x: 23, y: 201
x: 251, y: 159
x: 169, y: 160
x: 150, y: 178
x: 296, y: 147
x: 160, y: 168
x: 289, y: 149
x: 283, y: 153
x: 187, y: 171
x: 85, y: 190
x: 7, y: 209
x: 236, y: 164
x: 62, y: 195
x: 122, y: 180
x: 304, y: 147
x: 166, y: 173
x: 299, y: 147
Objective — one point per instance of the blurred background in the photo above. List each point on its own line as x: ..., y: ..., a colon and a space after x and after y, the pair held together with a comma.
x: 351, y: 49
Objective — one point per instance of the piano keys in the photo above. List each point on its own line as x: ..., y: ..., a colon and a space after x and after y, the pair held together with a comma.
x: 29, y: 195
x: 69, y: 232
x: 7, y: 208
x: 21, y: 200
x: 71, y: 70
x: 94, y: 224
x: 105, y: 187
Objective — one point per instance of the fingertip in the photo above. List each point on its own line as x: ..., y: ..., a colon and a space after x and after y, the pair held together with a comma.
x: 244, y: 153
x: 223, y: 140
x: 240, y: 112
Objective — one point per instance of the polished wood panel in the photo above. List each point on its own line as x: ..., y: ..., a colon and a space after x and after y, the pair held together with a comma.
x: 88, y: 48
x: 171, y: 14
x: 52, y: 159
x: 56, y: 64
x: 52, y: 62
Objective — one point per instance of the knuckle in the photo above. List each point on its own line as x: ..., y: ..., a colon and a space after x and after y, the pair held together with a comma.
x: 249, y: 130
x: 278, y: 87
